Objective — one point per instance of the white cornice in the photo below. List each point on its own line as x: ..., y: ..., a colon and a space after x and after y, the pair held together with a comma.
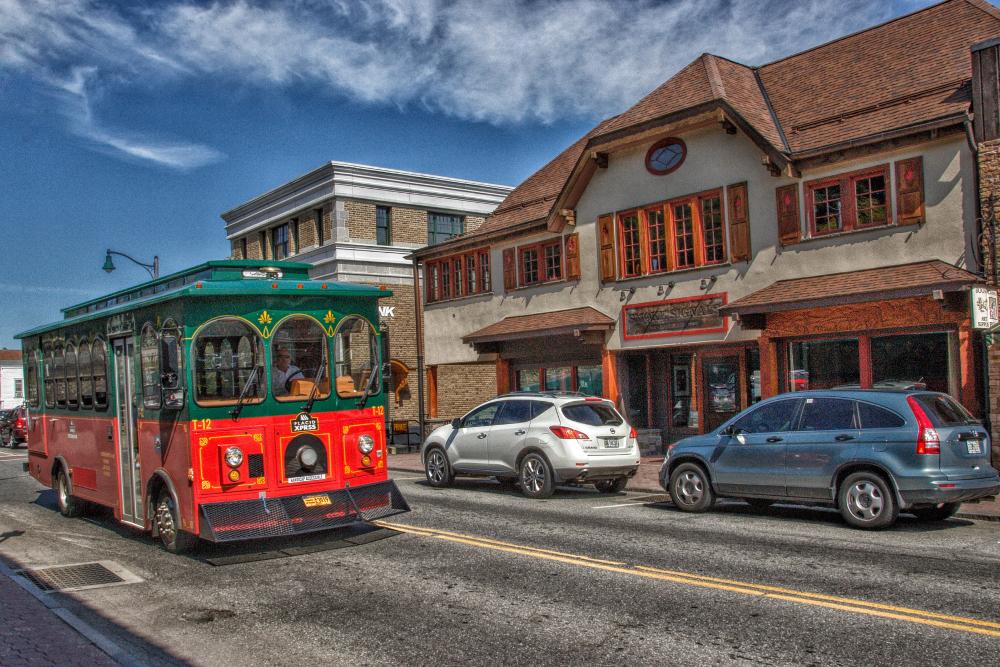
x: 356, y: 181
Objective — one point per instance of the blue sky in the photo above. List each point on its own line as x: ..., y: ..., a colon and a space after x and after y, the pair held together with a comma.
x: 133, y: 125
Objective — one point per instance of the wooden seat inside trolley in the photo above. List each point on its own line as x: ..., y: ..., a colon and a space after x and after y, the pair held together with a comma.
x: 187, y: 402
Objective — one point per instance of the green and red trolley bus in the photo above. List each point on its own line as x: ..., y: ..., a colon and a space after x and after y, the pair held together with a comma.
x: 235, y: 400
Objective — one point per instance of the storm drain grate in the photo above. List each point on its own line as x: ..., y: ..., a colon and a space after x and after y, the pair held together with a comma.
x: 79, y: 576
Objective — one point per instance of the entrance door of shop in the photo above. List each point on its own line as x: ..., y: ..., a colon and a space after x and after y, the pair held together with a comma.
x: 722, y: 387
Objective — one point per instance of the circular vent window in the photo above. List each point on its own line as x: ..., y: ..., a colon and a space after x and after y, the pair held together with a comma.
x: 665, y: 156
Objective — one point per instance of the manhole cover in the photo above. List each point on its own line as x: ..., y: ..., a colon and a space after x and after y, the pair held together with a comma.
x: 79, y: 576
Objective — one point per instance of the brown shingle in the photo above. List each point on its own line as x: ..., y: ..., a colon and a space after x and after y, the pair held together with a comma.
x: 853, y: 287
x: 541, y: 324
x: 887, y: 64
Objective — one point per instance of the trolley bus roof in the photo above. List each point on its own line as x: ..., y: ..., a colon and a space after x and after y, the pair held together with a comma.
x: 235, y: 277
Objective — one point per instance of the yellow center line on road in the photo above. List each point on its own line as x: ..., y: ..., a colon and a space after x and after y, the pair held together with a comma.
x: 907, y: 614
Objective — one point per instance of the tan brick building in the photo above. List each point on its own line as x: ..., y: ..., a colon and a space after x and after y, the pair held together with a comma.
x: 358, y: 223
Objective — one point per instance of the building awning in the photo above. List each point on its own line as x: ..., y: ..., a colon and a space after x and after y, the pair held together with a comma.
x: 573, y: 321
x: 889, y: 282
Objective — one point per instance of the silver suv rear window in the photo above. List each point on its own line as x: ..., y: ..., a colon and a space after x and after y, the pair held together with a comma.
x: 592, y: 414
x: 944, y: 410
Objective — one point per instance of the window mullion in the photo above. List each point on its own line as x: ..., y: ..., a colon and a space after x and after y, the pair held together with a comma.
x: 848, y: 204
x: 697, y: 222
x: 668, y: 236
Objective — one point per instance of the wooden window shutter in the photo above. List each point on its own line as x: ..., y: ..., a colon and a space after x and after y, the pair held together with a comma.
x: 509, y: 270
x: 572, y: 242
x: 606, y: 236
x: 739, y: 222
x: 789, y: 229
x: 910, y: 191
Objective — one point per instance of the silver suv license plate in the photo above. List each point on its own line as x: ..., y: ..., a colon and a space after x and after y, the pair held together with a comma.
x: 974, y: 447
x: 611, y: 443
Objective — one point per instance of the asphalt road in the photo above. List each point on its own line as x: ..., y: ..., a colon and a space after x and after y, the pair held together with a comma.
x: 478, y: 575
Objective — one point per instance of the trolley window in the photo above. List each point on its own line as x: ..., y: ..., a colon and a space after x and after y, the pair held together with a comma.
x: 72, y: 380
x: 149, y: 361
x: 31, y: 361
x: 86, y: 379
x: 59, y: 373
x: 299, y: 359
x: 48, y: 359
x: 171, y: 365
x: 356, y: 358
x: 228, y: 358
x: 99, y: 366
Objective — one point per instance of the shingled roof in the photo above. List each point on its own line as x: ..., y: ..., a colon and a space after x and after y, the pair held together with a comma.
x: 887, y: 282
x: 894, y: 77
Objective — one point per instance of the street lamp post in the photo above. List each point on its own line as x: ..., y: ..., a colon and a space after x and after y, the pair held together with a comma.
x: 153, y: 269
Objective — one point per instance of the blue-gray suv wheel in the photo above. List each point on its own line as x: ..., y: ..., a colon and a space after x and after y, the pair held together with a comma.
x: 867, y: 501
x: 690, y: 489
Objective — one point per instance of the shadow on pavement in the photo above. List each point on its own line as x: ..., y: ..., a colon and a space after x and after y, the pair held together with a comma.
x: 489, y: 485
x: 233, y: 553
x: 821, y: 514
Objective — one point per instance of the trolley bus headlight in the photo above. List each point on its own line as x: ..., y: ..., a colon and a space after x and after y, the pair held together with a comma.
x: 307, y: 458
x: 366, y: 444
x: 234, y: 457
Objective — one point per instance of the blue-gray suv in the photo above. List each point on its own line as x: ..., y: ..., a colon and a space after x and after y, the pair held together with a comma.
x: 871, y: 453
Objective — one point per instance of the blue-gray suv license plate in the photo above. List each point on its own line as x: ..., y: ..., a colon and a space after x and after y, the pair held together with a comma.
x: 974, y: 446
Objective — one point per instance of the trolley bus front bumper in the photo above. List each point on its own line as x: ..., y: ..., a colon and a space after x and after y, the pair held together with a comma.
x: 296, y: 515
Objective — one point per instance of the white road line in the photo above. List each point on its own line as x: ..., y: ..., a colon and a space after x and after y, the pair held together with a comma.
x: 604, y: 507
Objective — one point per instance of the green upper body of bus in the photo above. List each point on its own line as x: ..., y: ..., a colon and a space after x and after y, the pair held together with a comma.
x: 247, y: 336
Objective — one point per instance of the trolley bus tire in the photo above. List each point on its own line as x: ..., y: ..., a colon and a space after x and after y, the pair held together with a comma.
x: 167, y: 518
x: 69, y: 505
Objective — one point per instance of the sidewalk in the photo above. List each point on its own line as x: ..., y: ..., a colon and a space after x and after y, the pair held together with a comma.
x: 647, y: 481
x: 31, y: 634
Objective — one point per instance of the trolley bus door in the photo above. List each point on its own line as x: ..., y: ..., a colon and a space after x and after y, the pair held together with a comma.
x: 129, y: 476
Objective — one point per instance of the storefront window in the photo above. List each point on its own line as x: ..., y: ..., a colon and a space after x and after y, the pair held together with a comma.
x: 823, y: 364
x: 918, y: 361
x: 527, y: 380
x: 753, y: 374
x: 589, y: 380
x: 559, y: 379
x: 680, y: 410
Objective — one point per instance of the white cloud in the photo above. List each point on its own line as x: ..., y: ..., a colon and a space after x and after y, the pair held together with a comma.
x: 497, y: 61
x: 74, y: 92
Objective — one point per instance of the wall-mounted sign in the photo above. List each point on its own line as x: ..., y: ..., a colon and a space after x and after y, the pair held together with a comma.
x: 122, y: 323
x: 985, y: 313
x: 676, y: 317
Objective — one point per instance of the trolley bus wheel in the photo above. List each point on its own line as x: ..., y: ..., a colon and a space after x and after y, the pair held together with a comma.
x: 174, y: 540
x: 69, y: 506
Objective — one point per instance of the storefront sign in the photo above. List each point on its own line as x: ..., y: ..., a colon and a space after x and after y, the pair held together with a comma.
x: 676, y: 317
x: 984, y: 308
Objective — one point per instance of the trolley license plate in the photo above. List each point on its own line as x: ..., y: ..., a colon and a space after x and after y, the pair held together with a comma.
x: 317, y: 501
x: 611, y: 443
x: 974, y: 446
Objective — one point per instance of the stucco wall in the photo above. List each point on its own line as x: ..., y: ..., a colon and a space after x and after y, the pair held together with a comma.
x: 715, y: 159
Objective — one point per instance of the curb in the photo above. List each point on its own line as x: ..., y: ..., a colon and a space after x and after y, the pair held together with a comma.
x: 960, y: 515
x: 88, y: 632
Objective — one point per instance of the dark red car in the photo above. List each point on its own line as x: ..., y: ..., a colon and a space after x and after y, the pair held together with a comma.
x: 14, y: 427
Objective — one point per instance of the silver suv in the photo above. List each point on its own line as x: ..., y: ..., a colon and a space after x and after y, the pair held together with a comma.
x: 539, y: 440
